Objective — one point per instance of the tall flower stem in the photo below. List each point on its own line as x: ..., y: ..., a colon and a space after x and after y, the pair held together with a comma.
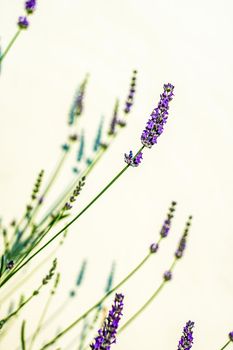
x: 85, y: 314
x: 70, y: 223
x: 224, y: 347
x: 10, y: 45
x: 149, y: 301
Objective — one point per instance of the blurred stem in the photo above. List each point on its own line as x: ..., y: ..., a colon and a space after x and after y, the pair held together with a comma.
x: 224, y: 347
x: 17, y: 266
x: 23, y: 343
x: 59, y: 335
x: 148, y: 302
x: 41, y: 320
x: 9, y: 45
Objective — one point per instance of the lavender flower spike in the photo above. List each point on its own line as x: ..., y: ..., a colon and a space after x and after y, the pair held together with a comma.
x: 107, y: 334
x: 231, y: 336
x: 186, y: 341
x: 30, y: 6
x: 23, y: 22
x: 154, y: 126
x: 133, y: 161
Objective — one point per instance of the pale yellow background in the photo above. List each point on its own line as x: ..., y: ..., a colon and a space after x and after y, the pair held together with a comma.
x: 187, y: 43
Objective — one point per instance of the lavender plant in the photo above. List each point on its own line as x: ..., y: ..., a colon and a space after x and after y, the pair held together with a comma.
x: 26, y: 238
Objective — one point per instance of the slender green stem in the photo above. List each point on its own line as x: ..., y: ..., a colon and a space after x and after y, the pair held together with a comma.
x: 85, y: 314
x: 224, y: 347
x: 10, y: 45
x: 148, y: 302
x: 23, y: 343
x: 70, y: 223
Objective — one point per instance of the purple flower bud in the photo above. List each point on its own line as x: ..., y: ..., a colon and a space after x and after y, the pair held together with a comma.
x: 183, y: 241
x: 30, y: 6
x: 167, y: 275
x: 107, y: 334
x: 186, y: 341
x: 130, y: 99
x: 67, y: 206
x: 133, y: 160
x: 23, y: 22
x: 154, y: 127
x: 231, y: 336
x: 154, y: 247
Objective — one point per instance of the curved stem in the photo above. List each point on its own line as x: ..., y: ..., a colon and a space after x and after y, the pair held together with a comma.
x: 10, y: 45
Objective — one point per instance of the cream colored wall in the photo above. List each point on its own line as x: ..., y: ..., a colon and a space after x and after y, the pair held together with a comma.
x: 188, y: 43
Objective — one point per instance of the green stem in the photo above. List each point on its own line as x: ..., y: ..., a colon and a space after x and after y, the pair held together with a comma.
x: 10, y: 45
x: 59, y: 335
x: 224, y: 347
x: 71, y: 222
x: 149, y: 301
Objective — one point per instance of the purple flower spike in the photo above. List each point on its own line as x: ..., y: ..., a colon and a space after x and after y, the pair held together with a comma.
x: 231, y: 336
x: 133, y: 160
x: 155, y: 124
x: 30, y: 6
x: 186, y: 341
x: 107, y: 334
x: 23, y: 22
